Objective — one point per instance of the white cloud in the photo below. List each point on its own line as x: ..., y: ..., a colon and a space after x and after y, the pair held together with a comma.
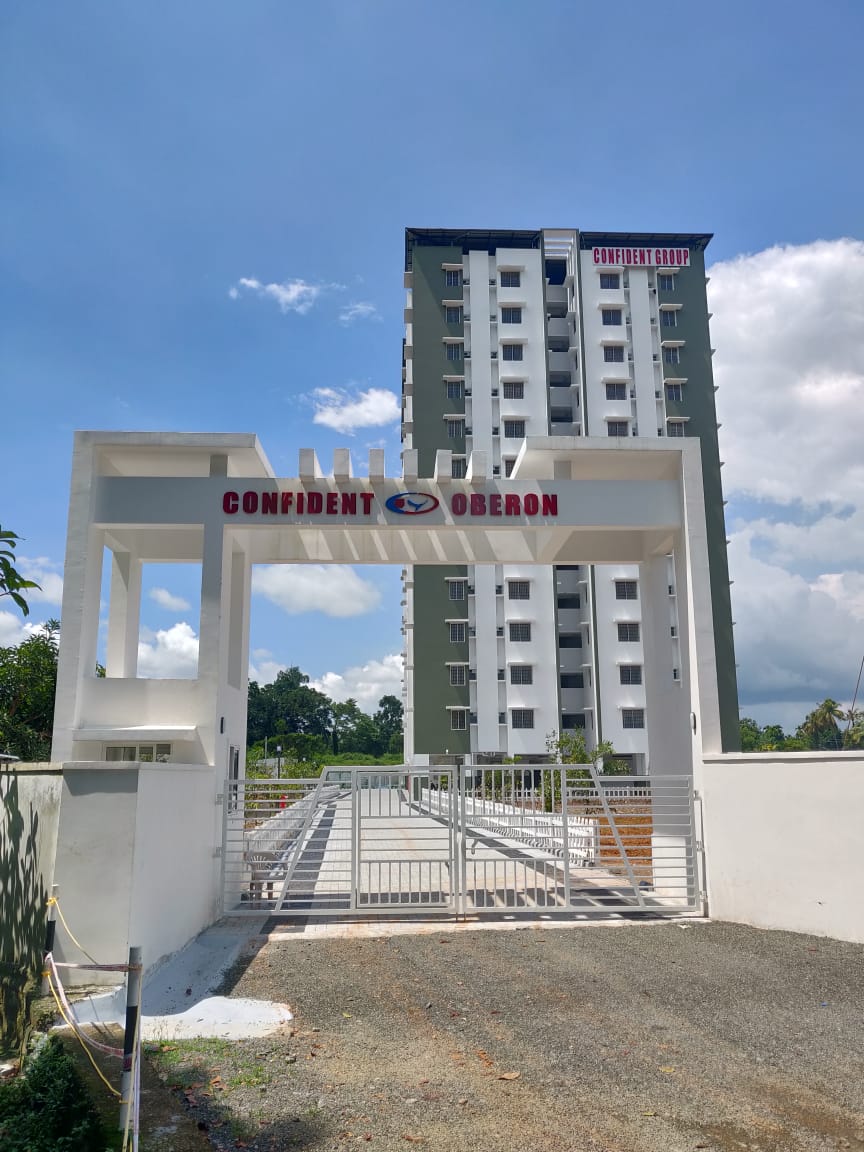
x: 335, y: 590
x: 789, y: 330
x: 365, y: 684
x: 345, y: 411
x: 291, y: 295
x: 13, y: 630
x: 794, y: 640
x: 169, y: 601
x: 263, y: 667
x: 46, y: 573
x: 358, y: 310
x: 171, y: 653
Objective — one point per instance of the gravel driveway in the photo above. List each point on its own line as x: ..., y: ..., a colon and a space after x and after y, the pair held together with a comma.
x: 631, y: 1038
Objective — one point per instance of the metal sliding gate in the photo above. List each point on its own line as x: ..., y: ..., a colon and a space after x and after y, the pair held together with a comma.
x: 535, y: 839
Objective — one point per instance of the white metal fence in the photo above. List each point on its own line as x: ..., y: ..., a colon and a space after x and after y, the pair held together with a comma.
x: 519, y: 837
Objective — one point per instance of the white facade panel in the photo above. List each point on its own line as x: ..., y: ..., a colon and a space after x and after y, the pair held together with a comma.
x: 487, y: 737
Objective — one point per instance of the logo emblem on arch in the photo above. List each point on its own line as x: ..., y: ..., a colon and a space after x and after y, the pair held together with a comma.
x: 412, y: 503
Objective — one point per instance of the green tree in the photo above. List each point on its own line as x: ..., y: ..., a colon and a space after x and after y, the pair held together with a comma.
x: 287, y: 706
x: 389, y: 719
x: 12, y: 583
x: 751, y: 734
x: 28, y: 682
x: 853, y: 733
x: 572, y: 748
x: 821, y: 727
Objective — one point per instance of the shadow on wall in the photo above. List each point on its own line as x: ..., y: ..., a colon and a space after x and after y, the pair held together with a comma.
x: 23, y: 897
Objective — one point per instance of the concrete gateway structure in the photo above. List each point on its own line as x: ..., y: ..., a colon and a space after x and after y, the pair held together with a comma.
x: 154, y: 800
x: 161, y: 497
x: 553, y: 333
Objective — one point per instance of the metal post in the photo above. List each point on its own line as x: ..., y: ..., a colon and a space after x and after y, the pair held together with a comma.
x: 50, y: 931
x: 565, y: 836
x: 133, y: 1004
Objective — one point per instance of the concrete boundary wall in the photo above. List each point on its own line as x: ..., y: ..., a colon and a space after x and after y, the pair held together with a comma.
x: 784, y: 840
x: 136, y: 859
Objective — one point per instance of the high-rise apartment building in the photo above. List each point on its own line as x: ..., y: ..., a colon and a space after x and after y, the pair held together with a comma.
x: 549, y: 333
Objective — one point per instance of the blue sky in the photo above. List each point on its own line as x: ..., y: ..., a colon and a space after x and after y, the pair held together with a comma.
x: 156, y: 155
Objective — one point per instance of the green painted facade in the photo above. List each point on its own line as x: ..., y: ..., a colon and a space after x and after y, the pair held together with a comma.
x: 430, y: 403
x: 433, y: 693
x: 697, y: 406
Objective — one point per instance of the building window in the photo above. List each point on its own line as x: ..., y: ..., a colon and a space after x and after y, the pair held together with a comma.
x: 146, y: 753
x: 521, y: 674
x: 455, y: 429
x: 633, y: 717
x: 514, y: 429
x: 616, y: 390
x: 573, y: 720
x: 613, y: 354
x: 611, y: 317
x: 457, y: 589
x: 630, y: 673
x: 628, y: 632
x: 511, y: 316
x: 458, y: 467
x: 668, y: 318
x: 572, y: 680
x: 520, y: 632
x: 674, y: 427
x: 514, y: 389
x: 665, y: 282
x: 454, y: 389
x: 675, y: 392
x: 570, y: 640
x: 522, y: 717
x: 626, y: 590
x: 511, y: 278
x: 458, y: 678
x: 512, y: 351
x: 569, y: 600
x: 671, y: 355
x: 617, y: 428
x: 452, y: 314
x: 454, y: 350
x: 508, y: 466
x: 458, y: 719
x: 453, y: 277
x: 519, y: 589
x: 610, y: 281
x: 458, y: 631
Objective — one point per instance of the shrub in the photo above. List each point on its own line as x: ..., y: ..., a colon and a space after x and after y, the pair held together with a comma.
x: 48, y: 1108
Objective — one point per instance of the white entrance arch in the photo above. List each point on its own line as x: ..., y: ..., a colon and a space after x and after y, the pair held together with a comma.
x: 214, y: 499
x: 132, y: 833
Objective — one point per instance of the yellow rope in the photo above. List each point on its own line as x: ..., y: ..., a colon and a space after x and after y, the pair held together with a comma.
x: 60, y: 1009
x: 53, y: 900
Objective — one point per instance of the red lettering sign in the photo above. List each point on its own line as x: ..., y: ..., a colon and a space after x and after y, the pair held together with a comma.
x: 230, y: 503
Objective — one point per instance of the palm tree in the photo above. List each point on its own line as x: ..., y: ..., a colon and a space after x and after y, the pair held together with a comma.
x: 821, y: 728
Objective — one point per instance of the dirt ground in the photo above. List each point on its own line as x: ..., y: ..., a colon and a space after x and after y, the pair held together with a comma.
x: 633, y: 1038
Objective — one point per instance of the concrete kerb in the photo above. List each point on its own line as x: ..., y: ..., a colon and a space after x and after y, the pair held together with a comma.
x: 176, y: 1001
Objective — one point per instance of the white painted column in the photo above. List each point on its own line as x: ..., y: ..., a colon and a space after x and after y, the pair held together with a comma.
x: 667, y: 706
x: 82, y: 586
x: 124, y: 614
x: 214, y: 636
x: 485, y: 608
x: 668, y: 718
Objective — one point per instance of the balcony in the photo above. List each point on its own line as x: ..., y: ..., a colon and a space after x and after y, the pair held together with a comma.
x: 556, y: 294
